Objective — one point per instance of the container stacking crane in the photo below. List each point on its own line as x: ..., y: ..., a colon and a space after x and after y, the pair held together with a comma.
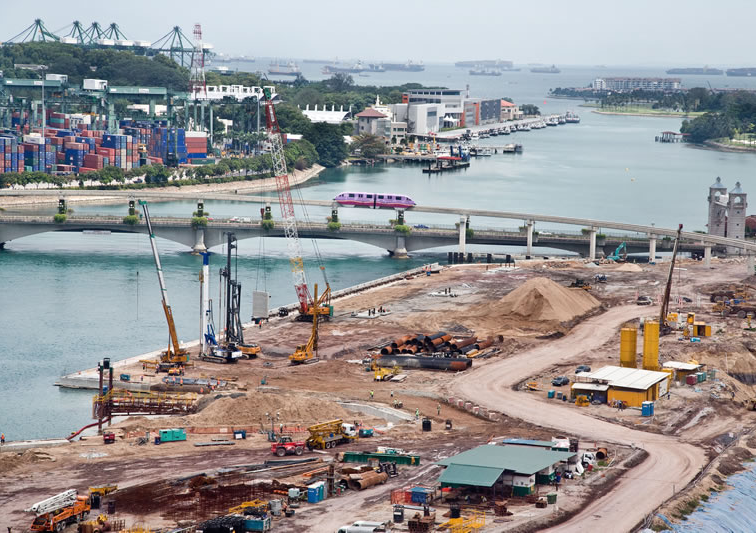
x: 664, y: 327
x: 174, y: 355
x: 310, y: 308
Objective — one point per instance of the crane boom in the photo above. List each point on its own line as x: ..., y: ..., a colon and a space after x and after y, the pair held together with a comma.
x: 668, y: 288
x: 287, y: 205
x: 178, y: 355
x: 59, y: 501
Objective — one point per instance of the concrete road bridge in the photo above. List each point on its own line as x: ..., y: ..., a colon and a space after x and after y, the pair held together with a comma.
x: 591, y: 240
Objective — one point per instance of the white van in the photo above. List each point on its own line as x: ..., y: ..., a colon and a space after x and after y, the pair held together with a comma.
x: 362, y: 526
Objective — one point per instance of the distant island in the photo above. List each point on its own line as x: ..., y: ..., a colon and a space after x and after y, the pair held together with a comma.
x: 696, y: 71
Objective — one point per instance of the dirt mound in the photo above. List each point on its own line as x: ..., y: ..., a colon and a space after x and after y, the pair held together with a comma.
x: 251, y: 409
x: 541, y: 299
x: 10, y: 460
x: 628, y: 267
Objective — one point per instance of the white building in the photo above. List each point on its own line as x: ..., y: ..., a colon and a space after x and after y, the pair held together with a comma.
x: 333, y: 116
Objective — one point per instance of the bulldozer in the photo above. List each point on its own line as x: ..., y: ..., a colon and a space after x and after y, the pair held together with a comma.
x: 580, y: 284
x: 582, y: 401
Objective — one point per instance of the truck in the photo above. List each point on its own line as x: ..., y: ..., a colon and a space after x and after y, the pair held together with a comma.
x: 55, y: 513
x: 329, y: 434
x: 286, y: 446
x: 363, y: 526
x: 95, y: 85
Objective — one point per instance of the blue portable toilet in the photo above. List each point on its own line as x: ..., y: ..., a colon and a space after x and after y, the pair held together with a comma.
x: 312, y: 493
x: 647, y: 408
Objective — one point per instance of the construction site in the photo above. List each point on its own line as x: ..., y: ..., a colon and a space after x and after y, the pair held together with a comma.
x: 550, y: 394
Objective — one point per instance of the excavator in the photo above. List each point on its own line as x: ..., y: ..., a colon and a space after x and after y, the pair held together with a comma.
x: 175, y: 355
x: 311, y: 307
x: 616, y: 257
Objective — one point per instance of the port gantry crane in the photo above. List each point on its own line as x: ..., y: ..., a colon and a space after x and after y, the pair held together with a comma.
x: 311, y: 307
x: 176, y: 356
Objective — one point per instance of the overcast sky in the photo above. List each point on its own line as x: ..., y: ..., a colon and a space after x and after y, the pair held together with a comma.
x: 577, y: 32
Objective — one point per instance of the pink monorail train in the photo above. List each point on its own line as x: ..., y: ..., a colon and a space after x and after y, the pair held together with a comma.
x: 374, y: 200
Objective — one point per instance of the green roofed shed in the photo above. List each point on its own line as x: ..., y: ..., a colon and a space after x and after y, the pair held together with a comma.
x: 483, y: 465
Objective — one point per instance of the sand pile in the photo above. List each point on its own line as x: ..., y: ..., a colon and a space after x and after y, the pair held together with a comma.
x: 628, y: 267
x: 10, y: 460
x: 251, y: 408
x: 541, y: 299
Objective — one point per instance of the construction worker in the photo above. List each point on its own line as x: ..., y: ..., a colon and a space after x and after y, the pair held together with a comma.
x: 371, y: 394
x: 417, y: 413
x: 2, y: 438
x: 438, y: 409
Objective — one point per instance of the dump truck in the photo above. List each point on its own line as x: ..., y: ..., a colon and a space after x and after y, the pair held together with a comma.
x: 286, y: 446
x: 329, y: 434
x: 741, y: 309
x: 55, y: 513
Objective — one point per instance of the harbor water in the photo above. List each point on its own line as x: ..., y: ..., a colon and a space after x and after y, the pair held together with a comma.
x: 70, y: 299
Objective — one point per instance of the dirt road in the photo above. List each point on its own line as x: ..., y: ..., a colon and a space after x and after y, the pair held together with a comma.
x: 671, y: 463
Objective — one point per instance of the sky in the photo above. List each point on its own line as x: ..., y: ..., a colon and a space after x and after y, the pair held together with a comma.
x: 578, y: 32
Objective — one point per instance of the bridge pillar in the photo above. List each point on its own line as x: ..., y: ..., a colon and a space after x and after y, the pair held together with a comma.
x: 529, y: 245
x: 400, y: 251
x: 462, y: 233
x: 592, y: 245
x: 651, y: 248
x: 199, y: 241
x: 749, y: 264
x: 152, y: 108
x: 707, y: 256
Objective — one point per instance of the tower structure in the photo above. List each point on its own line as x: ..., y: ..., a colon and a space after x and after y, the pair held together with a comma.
x: 197, y: 84
x: 736, y: 213
x: 718, y: 204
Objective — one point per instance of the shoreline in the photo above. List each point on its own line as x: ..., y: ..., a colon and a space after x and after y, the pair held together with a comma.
x: 713, y: 145
x: 296, y: 177
x: 88, y: 379
x: 649, y: 115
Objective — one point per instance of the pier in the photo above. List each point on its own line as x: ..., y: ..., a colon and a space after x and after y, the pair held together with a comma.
x: 445, y: 164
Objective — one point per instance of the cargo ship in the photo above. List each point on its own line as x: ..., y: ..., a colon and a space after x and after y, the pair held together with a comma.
x: 696, y: 71
x: 409, y: 66
x: 750, y: 71
x: 353, y: 69
x: 546, y: 70
x: 485, y: 63
x: 288, y: 69
x: 485, y: 72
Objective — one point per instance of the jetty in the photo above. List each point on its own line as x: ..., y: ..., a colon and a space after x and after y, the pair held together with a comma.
x: 446, y: 163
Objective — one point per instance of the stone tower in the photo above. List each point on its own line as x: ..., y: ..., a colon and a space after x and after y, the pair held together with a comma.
x: 718, y: 203
x: 736, y: 213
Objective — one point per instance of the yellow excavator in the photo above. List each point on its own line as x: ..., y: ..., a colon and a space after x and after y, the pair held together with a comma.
x: 308, y: 353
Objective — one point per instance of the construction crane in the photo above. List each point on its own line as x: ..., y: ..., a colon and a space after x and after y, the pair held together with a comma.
x: 310, y: 308
x: 664, y: 328
x: 174, y: 355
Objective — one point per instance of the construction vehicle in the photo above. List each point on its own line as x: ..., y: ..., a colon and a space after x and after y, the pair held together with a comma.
x: 580, y: 284
x: 740, y: 309
x: 286, y: 446
x: 54, y: 514
x: 664, y: 327
x: 734, y: 294
x: 255, y: 507
x: 108, y: 437
x: 616, y: 257
x: 329, y: 434
x: 308, y: 353
x: 600, y: 278
x: 102, y: 490
x: 234, y: 333
x: 582, y: 401
x: 310, y: 307
x: 386, y: 374
x: 174, y: 355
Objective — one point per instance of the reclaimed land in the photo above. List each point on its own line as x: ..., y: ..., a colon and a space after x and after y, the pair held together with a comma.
x: 542, y: 330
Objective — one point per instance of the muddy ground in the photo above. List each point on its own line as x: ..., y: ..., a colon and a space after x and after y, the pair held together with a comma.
x: 297, y: 396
